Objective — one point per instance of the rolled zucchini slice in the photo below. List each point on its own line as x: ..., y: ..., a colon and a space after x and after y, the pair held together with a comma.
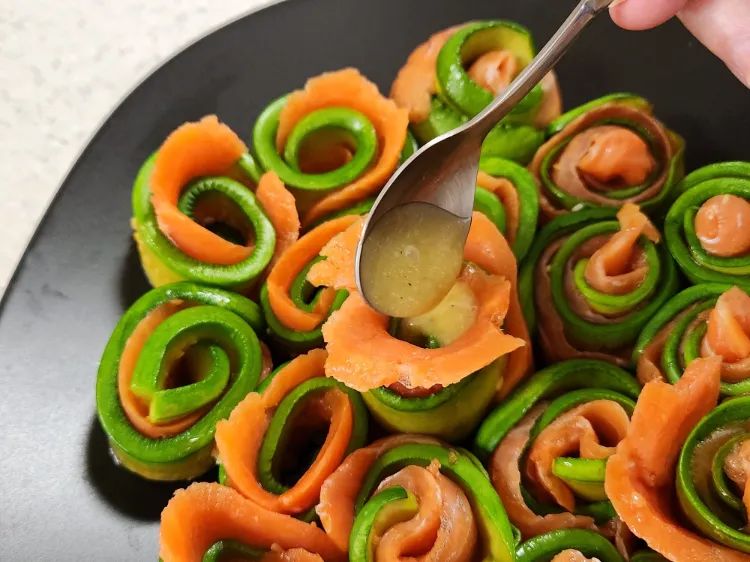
x: 538, y: 444
x: 397, y: 484
x: 590, y: 283
x: 335, y: 142
x: 281, y: 443
x: 697, y: 322
x: 607, y: 152
x: 195, y: 217
x: 179, y: 360
x: 294, y: 309
x: 706, y: 227
x: 457, y: 72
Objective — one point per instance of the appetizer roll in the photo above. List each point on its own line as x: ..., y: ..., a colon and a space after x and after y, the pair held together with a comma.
x: 295, y: 309
x: 605, y: 153
x: 179, y: 360
x: 458, y: 71
x: 547, y: 445
x: 282, y: 441
x: 435, y: 373
x: 507, y: 194
x: 195, y: 216
x: 208, y: 522
x: 568, y: 545
x: 707, y: 228
x: 702, y: 321
x: 679, y: 478
x: 407, y: 494
x: 590, y: 283
x: 336, y: 142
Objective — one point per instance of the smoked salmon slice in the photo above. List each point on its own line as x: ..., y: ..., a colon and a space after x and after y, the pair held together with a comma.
x: 364, y: 355
x: 288, y: 267
x: 617, y: 267
x: 722, y: 225
x: 203, y: 148
x: 205, y: 513
x: 281, y: 209
x: 728, y: 331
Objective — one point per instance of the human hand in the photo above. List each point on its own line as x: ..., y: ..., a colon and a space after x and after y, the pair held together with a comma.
x: 721, y: 25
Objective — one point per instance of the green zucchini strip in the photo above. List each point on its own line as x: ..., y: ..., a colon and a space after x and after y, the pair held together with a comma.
x: 543, y: 548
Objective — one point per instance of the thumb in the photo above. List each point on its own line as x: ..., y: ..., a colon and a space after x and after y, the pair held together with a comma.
x: 644, y: 14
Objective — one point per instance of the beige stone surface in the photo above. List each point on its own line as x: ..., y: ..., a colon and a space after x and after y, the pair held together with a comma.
x: 64, y: 65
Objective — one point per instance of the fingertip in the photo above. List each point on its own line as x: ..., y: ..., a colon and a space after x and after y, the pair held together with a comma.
x: 636, y: 15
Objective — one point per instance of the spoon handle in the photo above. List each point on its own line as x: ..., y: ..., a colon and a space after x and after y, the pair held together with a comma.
x: 544, y: 61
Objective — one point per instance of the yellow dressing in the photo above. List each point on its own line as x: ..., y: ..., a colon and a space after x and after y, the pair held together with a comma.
x: 411, y: 259
x: 455, y: 314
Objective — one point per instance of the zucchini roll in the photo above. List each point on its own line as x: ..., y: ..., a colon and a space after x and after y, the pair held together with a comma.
x: 702, y: 321
x: 458, y: 71
x: 679, y: 480
x: 708, y: 227
x: 605, y: 153
x: 408, y: 494
x: 435, y: 373
x: 590, y: 283
x: 335, y: 143
x: 208, y: 522
x: 507, y: 194
x: 179, y: 360
x: 281, y: 442
x: 195, y: 216
x: 548, y: 445
x: 294, y: 309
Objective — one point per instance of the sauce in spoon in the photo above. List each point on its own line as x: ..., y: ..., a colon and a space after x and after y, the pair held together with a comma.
x: 412, y: 258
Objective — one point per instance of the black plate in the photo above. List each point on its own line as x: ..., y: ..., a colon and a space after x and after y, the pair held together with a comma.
x: 62, y: 496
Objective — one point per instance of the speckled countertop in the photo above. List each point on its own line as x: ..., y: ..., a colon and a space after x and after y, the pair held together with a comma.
x: 63, y: 68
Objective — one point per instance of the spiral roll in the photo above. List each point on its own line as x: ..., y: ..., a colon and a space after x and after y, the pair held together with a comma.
x: 548, y: 445
x: 179, y: 360
x: 607, y: 152
x: 706, y: 227
x: 590, y: 283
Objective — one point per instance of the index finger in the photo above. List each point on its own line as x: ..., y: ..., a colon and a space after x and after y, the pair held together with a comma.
x: 644, y: 14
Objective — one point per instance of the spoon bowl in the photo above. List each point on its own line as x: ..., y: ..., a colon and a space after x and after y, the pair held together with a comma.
x: 441, y: 175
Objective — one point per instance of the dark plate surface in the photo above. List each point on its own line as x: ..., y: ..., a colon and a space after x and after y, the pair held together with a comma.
x: 62, y: 497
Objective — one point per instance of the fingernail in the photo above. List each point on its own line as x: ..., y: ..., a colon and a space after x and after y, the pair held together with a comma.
x: 616, y: 3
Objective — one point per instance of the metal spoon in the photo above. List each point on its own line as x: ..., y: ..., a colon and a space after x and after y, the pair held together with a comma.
x: 442, y: 174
